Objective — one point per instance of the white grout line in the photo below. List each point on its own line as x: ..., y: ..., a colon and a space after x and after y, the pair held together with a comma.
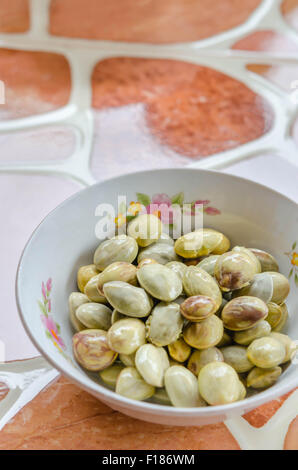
x: 39, y: 18
x: 271, y: 436
x: 25, y: 380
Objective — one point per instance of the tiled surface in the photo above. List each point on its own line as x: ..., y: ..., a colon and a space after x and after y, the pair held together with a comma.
x: 22, y: 212
x: 35, y: 82
x: 48, y: 143
x: 14, y: 16
x: 270, y: 170
x: 152, y: 21
x: 65, y: 417
x: 147, y: 112
x: 290, y: 11
x: 268, y: 41
x: 158, y: 112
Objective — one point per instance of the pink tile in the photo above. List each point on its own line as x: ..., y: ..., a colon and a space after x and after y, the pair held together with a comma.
x: 50, y: 143
x: 28, y: 198
x: 123, y: 144
x: 269, y: 41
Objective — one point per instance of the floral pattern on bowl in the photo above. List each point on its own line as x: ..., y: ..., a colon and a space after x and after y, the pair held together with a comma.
x: 153, y: 205
x: 52, y: 328
x: 293, y: 257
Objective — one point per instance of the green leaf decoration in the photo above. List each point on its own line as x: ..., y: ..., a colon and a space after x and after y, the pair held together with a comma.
x: 294, y: 245
x: 42, y: 308
x: 48, y: 334
x: 178, y: 199
x: 58, y: 327
x: 291, y: 272
x: 296, y: 279
x: 130, y: 217
x: 143, y: 199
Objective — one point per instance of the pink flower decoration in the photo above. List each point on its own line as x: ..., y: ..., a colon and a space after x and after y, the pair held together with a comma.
x: 161, y: 206
x: 211, y: 211
x: 43, y: 290
x: 51, y: 327
x: 49, y: 305
x: 161, y: 199
x: 49, y: 284
x: 204, y: 202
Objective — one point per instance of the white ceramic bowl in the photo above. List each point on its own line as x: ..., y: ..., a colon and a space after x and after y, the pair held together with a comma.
x: 248, y: 213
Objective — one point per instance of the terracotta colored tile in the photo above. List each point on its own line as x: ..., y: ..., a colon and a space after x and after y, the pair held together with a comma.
x: 28, y: 198
x: 121, y: 81
x: 224, y: 115
x: 291, y: 440
x: 290, y: 10
x: 152, y: 21
x: 14, y: 17
x: 261, y: 415
x: 49, y: 143
x: 190, y: 110
x: 65, y: 417
x: 35, y: 82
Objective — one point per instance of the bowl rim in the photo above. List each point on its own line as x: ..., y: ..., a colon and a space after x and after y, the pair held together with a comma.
x: 96, y: 388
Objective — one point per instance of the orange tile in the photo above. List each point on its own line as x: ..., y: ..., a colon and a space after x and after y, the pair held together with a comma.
x: 34, y: 82
x: 152, y: 21
x: 14, y: 16
x: 193, y: 110
x: 261, y: 415
x: 64, y: 417
x: 289, y: 6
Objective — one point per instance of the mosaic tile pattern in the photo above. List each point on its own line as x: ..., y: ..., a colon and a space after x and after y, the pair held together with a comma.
x: 14, y: 16
x: 35, y: 82
x: 78, y: 421
x: 189, y: 110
